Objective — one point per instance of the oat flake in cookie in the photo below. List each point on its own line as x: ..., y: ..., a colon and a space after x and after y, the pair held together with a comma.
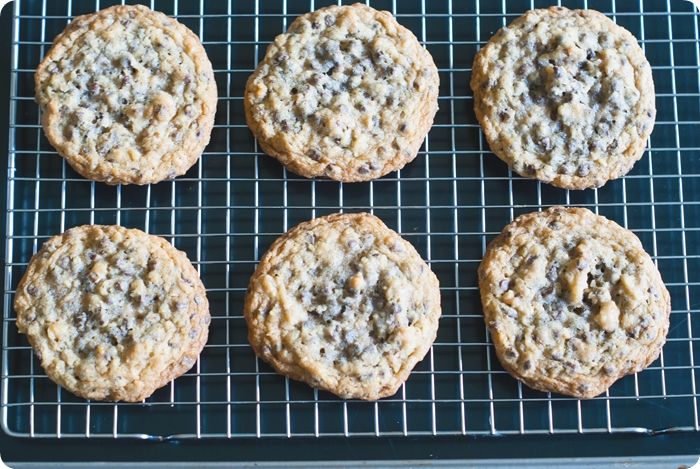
x: 344, y: 304
x: 572, y: 301
x: 128, y: 96
x: 346, y: 93
x: 565, y: 96
x: 112, y: 313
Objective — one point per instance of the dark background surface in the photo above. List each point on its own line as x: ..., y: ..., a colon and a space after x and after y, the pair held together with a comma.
x: 330, y: 448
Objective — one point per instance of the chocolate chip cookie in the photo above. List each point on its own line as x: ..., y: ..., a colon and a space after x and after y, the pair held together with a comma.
x: 572, y: 301
x: 112, y: 313
x: 344, y: 304
x: 346, y: 93
x: 127, y: 96
x: 565, y: 96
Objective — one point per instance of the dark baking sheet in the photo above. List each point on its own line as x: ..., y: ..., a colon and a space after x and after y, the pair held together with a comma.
x: 449, y: 202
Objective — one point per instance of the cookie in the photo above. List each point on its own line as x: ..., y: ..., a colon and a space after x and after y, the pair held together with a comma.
x: 572, y: 301
x: 346, y: 93
x: 344, y: 304
x: 127, y: 96
x: 565, y: 96
x: 112, y: 313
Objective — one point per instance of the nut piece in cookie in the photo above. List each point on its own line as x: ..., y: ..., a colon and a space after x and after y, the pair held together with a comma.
x: 344, y: 304
x: 127, y: 96
x: 346, y: 93
x: 112, y: 313
x: 572, y: 301
x: 565, y: 96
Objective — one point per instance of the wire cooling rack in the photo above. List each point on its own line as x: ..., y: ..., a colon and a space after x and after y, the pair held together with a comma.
x: 449, y: 203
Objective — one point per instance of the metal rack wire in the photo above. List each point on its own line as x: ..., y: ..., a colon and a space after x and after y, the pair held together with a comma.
x: 449, y: 203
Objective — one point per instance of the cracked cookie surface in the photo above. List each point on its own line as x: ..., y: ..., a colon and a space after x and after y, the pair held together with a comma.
x: 112, y: 313
x: 128, y: 96
x: 344, y: 304
x: 346, y: 93
x: 572, y: 301
x: 565, y: 96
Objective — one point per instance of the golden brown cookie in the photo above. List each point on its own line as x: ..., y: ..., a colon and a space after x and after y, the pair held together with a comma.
x: 344, y: 304
x: 565, y: 96
x: 128, y: 96
x: 572, y: 301
x: 346, y: 93
x: 112, y: 313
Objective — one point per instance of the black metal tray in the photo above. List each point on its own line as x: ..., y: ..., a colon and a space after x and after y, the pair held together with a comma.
x: 449, y: 203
